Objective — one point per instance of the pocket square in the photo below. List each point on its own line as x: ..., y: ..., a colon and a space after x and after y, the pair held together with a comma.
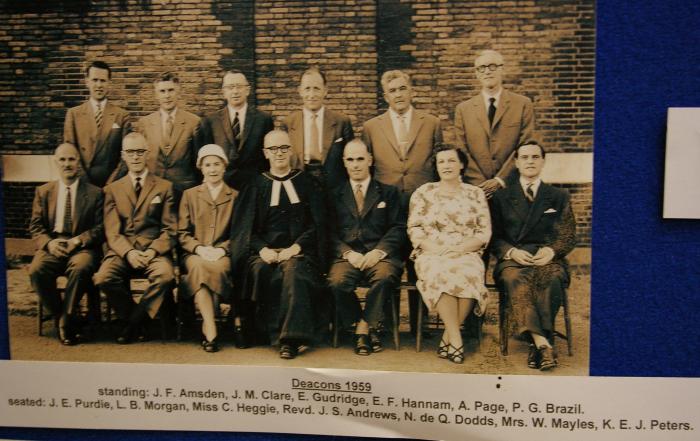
x: 382, y: 204
x: 156, y: 200
x: 551, y: 210
x: 338, y: 140
x: 116, y: 126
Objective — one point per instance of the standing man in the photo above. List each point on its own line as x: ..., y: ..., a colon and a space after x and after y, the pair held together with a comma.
x: 277, y: 246
x: 239, y: 129
x: 318, y: 134
x: 66, y: 226
x: 369, y: 231
x: 534, y: 229
x: 97, y: 127
x: 491, y: 125
x: 171, y: 134
x: 402, y: 141
x: 140, y: 227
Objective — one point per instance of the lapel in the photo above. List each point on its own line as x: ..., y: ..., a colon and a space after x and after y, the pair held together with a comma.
x: 348, y: 198
x: 371, y: 198
x: 247, y: 127
x: 225, y: 120
x: 502, y: 107
x: 52, y: 197
x: 154, y: 134
x: 127, y: 188
x: 295, y: 126
x: 148, y: 185
x: 542, y: 200
x: 518, y: 202
x: 416, y: 123
x: 480, y: 112
x: 178, y: 128
x: 108, y: 117
x: 204, y: 195
x: 88, y: 126
x: 81, y: 201
x: 388, y: 130
x: 225, y: 195
x: 329, y: 123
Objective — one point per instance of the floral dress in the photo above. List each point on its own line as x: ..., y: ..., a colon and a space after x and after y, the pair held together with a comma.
x: 449, y: 220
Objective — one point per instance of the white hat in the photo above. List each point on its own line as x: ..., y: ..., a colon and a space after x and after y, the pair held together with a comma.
x: 211, y: 150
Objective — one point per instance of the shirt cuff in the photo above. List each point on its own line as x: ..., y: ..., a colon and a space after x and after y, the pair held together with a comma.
x: 500, y: 181
x: 508, y: 253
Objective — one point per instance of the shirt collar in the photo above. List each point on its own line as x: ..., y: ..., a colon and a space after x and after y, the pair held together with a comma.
x: 308, y: 113
x: 535, y: 184
x: 73, y: 186
x: 164, y: 115
x: 241, y: 112
x: 487, y: 96
x: 395, y: 116
x: 364, y: 184
x: 142, y: 176
x: 94, y: 103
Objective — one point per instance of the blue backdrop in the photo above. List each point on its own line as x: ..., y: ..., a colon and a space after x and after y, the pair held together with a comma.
x: 645, y: 277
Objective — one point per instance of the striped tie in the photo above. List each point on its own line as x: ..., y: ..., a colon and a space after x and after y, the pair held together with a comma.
x: 68, y: 215
x: 236, y: 129
x: 98, y: 116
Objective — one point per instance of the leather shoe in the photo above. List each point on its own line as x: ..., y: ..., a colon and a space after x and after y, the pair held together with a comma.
x: 375, y: 341
x: 65, y: 337
x: 211, y: 346
x: 362, y: 344
x: 547, y: 358
x: 533, y: 357
x: 288, y: 352
x: 239, y: 338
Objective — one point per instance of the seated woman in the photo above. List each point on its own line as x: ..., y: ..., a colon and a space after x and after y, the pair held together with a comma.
x: 204, y: 230
x: 449, y: 226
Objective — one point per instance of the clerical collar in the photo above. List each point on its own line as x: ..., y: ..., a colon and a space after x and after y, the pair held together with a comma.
x: 283, y: 176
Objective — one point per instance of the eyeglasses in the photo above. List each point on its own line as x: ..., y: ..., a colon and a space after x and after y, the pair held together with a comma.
x: 492, y: 67
x: 235, y: 86
x: 278, y: 148
x: 132, y: 153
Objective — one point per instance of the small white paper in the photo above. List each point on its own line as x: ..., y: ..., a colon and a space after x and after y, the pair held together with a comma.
x: 682, y: 174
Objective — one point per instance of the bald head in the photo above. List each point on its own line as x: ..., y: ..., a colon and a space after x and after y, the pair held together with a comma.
x: 67, y: 159
x: 357, y: 160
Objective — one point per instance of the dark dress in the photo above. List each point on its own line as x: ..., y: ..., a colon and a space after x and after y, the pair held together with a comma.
x: 284, y: 293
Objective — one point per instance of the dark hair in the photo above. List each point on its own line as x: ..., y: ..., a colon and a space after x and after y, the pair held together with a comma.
x: 444, y: 147
x: 313, y: 70
x: 530, y: 143
x: 97, y: 64
x: 167, y: 76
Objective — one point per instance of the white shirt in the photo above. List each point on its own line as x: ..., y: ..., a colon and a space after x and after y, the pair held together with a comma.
x: 396, y: 121
x: 524, y: 182
x: 487, y: 97
x: 364, y: 185
x: 241, y: 115
x: 308, y: 126
x: 61, y: 205
x: 142, y: 176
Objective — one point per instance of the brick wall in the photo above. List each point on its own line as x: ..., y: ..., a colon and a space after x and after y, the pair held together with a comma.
x: 548, y: 46
x: 17, y: 199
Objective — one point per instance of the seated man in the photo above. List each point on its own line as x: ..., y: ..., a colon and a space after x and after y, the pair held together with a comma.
x: 66, y: 226
x: 276, y: 244
x: 140, y: 226
x: 534, y: 229
x: 368, y: 233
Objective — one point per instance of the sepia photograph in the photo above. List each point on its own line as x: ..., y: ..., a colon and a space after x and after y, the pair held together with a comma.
x: 380, y: 185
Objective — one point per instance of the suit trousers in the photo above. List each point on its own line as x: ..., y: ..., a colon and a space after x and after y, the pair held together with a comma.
x: 78, y: 269
x: 113, y: 279
x: 383, y: 279
x: 285, y: 294
x: 535, y: 294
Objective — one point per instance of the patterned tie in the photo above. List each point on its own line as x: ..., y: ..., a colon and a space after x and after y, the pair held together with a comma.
x: 168, y: 133
x: 492, y: 110
x: 137, y: 187
x: 359, y: 198
x: 67, y: 214
x: 236, y: 129
x: 403, y: 135
x: 529, y: 193
x: 98, y: 116
x: 314, y: 150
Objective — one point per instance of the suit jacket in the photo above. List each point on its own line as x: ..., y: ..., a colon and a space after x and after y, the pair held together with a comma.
x: 491, y: 149
x: 146, y: 222
x: 390, y: 167
x: 203, y: 221
x: 380, y: 225
x: 337, y: 131
x: 87, y: 217
x: 179, y: 166
x: 99, y: 151
x: 548, y: 222
x: 248, y: 161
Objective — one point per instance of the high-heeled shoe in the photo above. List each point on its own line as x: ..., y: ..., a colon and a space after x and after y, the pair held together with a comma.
x: 442, y: 349
x: 457, y: 354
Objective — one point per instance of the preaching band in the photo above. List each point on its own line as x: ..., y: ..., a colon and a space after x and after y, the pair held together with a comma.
x: 284, y: 225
